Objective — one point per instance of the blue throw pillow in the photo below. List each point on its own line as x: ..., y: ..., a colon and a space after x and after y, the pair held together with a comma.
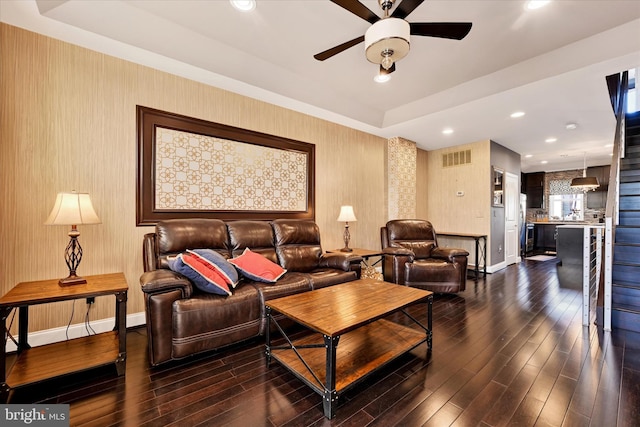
x: 204, y: 275
x: 226, y: 268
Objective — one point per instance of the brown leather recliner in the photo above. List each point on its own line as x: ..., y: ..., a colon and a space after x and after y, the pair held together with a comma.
x: 412, y: 258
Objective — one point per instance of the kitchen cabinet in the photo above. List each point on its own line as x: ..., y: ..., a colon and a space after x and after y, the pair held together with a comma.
x: 597, y: 199
x: 535, y: 190
x: 544, y: 238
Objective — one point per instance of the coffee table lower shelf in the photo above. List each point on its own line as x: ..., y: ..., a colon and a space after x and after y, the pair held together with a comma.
x: 359, y: 353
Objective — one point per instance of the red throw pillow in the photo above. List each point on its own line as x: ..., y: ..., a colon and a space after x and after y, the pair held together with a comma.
x: 256, y: 267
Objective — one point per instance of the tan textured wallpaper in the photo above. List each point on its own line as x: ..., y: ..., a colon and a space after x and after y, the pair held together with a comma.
x: 67, y: 122
x: 469, y: 212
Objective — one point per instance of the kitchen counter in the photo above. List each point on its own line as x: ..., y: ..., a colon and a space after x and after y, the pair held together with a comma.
x: 570, y: 242
x: 546, y: 233
x: 565, y: 222
x: 579, y: 250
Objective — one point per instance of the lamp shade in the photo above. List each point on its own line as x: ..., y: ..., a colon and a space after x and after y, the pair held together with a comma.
x: 72, y: 209
x: 346, y: 214
x: 585, y: 183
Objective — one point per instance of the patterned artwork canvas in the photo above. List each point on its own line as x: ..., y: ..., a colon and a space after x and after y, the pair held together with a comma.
x: 193, y: 168
x: 199, y: 172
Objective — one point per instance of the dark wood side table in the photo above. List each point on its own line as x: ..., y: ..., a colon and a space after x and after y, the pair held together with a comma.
x: 364, y: 253
x: 52, y: 360
x: 481, y: 251
x: 368, y: 270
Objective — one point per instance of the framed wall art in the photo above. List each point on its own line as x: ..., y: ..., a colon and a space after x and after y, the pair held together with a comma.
x: 498, y: 187
x: 190, y: 168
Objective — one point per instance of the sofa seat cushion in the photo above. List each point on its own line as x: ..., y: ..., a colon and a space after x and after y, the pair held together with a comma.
x: 289, y: 284
x: 323, y: 277
x: 207, y: 322
x: 430, y: 270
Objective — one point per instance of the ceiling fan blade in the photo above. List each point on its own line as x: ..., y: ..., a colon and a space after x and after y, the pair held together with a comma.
x: 405, y: 8
x: 337, y: 49
x: 445, y: 30
x: 358, y: 9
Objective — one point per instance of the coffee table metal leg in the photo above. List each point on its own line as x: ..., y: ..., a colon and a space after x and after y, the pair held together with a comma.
x: 330, y: 398
x: 267, y: 334
x: 430, y: 321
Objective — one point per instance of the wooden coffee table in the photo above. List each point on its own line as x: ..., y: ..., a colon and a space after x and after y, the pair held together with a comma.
x: 353, y: 315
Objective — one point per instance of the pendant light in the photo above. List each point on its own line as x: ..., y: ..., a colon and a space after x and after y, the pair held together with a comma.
x: 586, y: 183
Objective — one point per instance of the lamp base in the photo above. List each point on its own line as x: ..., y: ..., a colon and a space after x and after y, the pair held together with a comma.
x: 72, y: 280
x: 346, y: 250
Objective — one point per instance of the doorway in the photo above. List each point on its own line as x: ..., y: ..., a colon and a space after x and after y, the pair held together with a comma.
x: 511, y: 209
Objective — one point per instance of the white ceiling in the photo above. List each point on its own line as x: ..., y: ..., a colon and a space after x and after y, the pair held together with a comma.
x: 550, y: 63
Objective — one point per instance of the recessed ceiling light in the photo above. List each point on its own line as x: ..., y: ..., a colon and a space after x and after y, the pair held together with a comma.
x: 244, y: 5
x: 382, y: 78
x: 447, y: 131
x: 550, y: 140
x: 544, y: 162
x: 517, y: 114
x: 528, y: 156
x: 537, y: 4
x: 571, y: 126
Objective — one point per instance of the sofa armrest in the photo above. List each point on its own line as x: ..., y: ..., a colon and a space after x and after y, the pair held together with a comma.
x: 450, y: 254
x: 342, y: 261
x: 393, y: 262
x: 163, y: 280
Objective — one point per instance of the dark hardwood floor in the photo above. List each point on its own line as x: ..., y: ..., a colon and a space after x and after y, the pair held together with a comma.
x: 509, y: 351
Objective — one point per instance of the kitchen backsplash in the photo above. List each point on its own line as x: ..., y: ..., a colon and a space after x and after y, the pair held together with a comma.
x: 536, y: 215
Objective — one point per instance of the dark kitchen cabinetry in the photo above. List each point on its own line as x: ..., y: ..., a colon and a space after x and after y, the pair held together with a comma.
x: 598, y: 199
x: 545, y: 238
x: 534, y: 188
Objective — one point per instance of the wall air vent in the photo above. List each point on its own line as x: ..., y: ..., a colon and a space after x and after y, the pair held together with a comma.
x: 456, y: 158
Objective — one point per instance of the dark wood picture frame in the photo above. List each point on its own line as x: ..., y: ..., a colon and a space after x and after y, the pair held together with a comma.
x: 148, y: 119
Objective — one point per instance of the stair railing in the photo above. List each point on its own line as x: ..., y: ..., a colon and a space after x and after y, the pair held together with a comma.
x: 619, y: 101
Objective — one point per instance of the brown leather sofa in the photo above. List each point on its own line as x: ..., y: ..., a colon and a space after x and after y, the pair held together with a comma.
x: 412, y: 257
x: 182, y: 320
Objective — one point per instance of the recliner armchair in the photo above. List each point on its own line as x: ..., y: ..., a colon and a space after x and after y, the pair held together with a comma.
x: 413, y: 258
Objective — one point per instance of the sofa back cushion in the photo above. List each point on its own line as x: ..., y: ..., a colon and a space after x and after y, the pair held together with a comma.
x: 255, y: 235
x: 297, y: 244
x: 413, y: 234
x: 175, y: 236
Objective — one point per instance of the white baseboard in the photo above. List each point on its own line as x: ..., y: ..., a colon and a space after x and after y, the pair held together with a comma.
x: 496, y: 267
x: 76, y: 330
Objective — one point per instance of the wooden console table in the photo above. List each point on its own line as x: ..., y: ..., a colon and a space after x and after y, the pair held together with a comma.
x: 52, y: 360
x: 479, y: 250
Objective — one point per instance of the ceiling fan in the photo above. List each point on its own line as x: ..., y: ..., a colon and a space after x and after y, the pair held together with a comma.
x: 387, y: 40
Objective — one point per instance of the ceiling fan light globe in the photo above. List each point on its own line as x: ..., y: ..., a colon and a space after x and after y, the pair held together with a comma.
x: 387, y: 62
x: 388, y: 34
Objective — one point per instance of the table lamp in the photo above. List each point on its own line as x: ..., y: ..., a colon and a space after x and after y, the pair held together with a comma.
x: 346, y: 215
x: 72, y: 209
